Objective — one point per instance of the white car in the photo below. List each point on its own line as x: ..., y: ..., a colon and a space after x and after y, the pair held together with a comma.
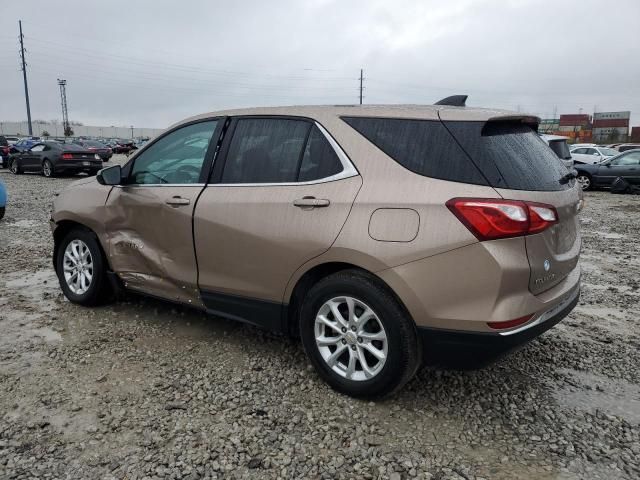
x: 592, y: 155
x: 559, y: 145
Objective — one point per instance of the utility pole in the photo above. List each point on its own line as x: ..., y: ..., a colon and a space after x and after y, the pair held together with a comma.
x: 63, y: 100
x: 24, y: 76
x: 361, y: 87
x: 131, y: 132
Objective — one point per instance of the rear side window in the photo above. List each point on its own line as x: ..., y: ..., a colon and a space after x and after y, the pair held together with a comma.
x: 511, y: 155
x: 422, y: 146
x: 319, y: 159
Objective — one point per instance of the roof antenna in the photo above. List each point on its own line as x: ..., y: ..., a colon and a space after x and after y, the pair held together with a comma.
x: 454, y: 101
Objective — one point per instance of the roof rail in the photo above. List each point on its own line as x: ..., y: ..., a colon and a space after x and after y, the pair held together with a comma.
x: 454, y: 101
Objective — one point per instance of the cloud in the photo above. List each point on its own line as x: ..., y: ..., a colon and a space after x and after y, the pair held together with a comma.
x: 151, y: 63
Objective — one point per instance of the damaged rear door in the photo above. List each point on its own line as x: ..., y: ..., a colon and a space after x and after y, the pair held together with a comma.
x: 149, y: 217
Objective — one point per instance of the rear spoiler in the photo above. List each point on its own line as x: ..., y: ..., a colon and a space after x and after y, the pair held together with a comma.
x: 530, y: 120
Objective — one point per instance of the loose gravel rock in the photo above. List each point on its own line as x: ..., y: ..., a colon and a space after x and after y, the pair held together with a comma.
x: 143, y: 389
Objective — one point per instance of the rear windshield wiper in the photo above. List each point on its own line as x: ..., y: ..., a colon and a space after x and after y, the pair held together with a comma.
x: 569, y: 176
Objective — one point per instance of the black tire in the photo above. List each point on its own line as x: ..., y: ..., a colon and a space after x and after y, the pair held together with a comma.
x: 14, y: 167
x: 99, y: 290
x: 47, y: 169
x: 2, y: 209
x: 585, y: 181
x: 404, y: 349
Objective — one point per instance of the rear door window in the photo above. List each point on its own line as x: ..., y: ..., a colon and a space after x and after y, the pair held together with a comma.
x: 560, y: 148
x: 423, y: 146
x: 265, y: 150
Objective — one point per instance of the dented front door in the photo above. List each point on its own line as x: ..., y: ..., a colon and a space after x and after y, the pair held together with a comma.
x: 151, y: 242
x: 149, y: 217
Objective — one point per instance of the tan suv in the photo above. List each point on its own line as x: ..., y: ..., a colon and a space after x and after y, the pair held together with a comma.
x: 376, y: 233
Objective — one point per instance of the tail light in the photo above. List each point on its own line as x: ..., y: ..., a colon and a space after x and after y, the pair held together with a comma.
x: 67, y: 156
x: 490, y: 219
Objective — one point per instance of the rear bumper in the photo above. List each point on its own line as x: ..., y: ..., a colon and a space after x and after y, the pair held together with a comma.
x: 78, y: 166
x: 476, y: 349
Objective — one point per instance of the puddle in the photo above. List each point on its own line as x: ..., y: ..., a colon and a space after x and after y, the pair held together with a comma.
x: 608, y: 235
x: 24, y: 224
x: 597, y: 392
x: 37, y: 287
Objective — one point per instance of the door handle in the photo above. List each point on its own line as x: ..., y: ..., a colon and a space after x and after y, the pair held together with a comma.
x: 177, y: 201
x: 311, y: 202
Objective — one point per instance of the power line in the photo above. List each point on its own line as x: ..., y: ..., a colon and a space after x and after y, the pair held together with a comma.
x: 24, y: 76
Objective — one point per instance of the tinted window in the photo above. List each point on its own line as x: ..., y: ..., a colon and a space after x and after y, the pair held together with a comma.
x: 511, y: 155
x: 580, y: 151
x: 71, y: 146
x: 175, y: 158
x: 422, y: 146
x: 319, y: 159
x: 560, y: 148
x: 265, y: 150
x: 632, y: 158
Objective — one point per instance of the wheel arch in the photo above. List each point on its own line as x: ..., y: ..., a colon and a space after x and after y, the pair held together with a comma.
x: 312, y: 276
x: 63, y: 227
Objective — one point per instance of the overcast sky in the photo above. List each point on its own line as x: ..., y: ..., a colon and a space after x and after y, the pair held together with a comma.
x: 151, y: 63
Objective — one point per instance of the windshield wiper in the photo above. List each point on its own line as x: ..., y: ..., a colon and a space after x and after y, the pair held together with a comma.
x: 569, y: 176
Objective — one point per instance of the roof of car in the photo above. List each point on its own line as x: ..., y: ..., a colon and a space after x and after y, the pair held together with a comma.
x: 547, y: 137
x: 419, y: 112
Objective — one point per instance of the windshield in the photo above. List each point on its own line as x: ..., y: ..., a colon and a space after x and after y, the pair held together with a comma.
x: 609, y: 152
x: 560, y: 148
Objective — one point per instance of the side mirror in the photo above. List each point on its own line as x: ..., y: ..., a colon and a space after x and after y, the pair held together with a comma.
x: 110, y: 175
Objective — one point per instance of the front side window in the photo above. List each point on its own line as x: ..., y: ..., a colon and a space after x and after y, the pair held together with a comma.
x: 176, y: 158
x: 37, y: 148
x: 629, y: 159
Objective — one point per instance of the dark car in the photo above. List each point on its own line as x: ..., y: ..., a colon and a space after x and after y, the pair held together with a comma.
x: 100, y: 148
x: 625, y: 165
x: 4, y: 151
x: 123, y: 146
x: 52, y: 158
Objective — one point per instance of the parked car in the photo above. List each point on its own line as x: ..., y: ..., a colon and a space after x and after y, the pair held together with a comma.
x: 627, y: 146
x: 123, y: 146
x: 3, y: 199
x: 22, y: 145
x: 342, y: 225
x: 12, y: 140
x: 625, y: 165
x: 592, y: 155
x: 559, y: 146
x: 105, y: 152
x: 53, y: 158
x: 4, y: 151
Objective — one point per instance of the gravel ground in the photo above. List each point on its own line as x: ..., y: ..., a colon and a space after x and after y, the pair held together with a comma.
x: 145, y: 389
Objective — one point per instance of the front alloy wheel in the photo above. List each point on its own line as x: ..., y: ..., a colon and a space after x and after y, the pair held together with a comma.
x: 584, y: 181
x: 14, y: 168
x: 78, y: 267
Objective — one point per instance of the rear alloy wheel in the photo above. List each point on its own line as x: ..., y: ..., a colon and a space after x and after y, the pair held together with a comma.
x: 47, y: 169
x: 81, y: 268
x: 584, y: 181
x: 357, y: 335
x: 15, y: 168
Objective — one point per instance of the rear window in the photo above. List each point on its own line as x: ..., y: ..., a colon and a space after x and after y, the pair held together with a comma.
x: 511, y: 155
x: 560, y: 148
x: 422, y: 146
